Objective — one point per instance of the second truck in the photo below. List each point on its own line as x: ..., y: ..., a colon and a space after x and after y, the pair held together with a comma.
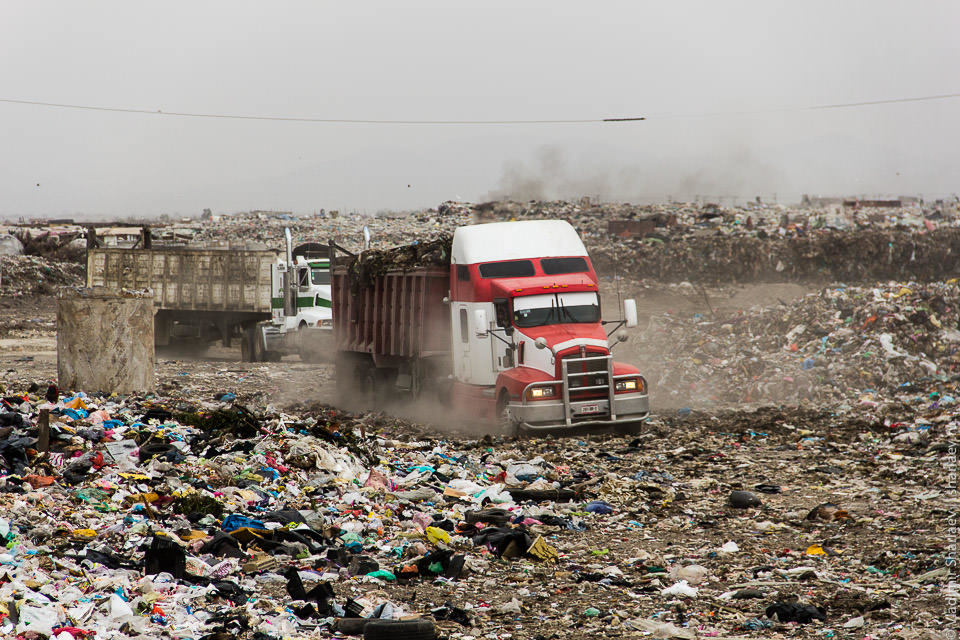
x: 270, y: 302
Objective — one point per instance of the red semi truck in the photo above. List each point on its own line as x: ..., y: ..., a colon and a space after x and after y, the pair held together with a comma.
x: 508, y: 331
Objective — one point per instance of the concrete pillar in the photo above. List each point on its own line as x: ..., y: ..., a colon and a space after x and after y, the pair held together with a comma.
x: 105, y: 340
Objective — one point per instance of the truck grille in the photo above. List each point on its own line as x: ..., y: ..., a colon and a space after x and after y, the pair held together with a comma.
x: 594, y: 363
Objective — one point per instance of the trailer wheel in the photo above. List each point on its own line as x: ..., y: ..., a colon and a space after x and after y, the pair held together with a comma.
x: 378, y: 386
x: 369, y: 378
x: 250, y: 348
x: 257, y: 352
x: 346, y: 376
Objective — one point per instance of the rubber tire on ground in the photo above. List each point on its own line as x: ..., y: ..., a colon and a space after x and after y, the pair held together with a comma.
x: 353, y: 626
x: 400, y: 630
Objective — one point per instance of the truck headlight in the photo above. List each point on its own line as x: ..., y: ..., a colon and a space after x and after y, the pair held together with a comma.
x: 540, y: 393
x: 631, y: 384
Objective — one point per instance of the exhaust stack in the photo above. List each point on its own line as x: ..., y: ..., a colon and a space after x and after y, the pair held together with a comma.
x: 289, y: 278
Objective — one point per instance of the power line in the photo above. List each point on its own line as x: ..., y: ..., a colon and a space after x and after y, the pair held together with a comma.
x: 160, y: 112
x: 229, y: 116
x: 817, y: 107
x: 944, y: 96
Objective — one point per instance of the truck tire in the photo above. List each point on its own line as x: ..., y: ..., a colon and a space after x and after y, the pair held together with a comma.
x: 369, y: 388
x: 508, y: 426
x: 345, y: 376
x: 256, y: 346
x: 248, y: 352
x: 304, y: 350
x: 378, y: 386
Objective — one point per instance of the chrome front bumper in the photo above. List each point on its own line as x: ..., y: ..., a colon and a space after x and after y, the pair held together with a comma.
x: 564, y: 413
x: 545, y: 415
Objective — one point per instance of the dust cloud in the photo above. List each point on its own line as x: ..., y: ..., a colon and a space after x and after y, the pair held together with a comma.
x: 430, y: 412
x: 729, y: 173
x: 661, y: 362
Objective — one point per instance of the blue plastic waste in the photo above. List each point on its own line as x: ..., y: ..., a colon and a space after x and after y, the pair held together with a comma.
x: 235, y: 521
x: 599, y: 506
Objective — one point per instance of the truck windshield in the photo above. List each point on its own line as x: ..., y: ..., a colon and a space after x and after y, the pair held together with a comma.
x: 556, y: 308
x: 320, y: 276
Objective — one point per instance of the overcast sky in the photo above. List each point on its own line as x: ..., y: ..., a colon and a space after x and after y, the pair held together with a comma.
x: 678, y: 63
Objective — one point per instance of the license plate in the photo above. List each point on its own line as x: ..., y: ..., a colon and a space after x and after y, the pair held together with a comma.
x: 590, y: 408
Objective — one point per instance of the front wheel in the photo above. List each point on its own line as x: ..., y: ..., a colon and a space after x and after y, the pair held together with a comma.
x: 308, y: 353
x: 508, y: 425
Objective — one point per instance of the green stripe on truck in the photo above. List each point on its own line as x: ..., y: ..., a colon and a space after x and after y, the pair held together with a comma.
x: 304, y: 301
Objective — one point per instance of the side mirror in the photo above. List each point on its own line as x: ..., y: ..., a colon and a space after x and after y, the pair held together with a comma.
x: 630, y: 312
x: 541, y: 343
x: 480, y: 319
x: 622, y: 337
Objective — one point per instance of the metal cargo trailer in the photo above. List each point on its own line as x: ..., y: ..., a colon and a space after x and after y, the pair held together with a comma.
x: 397, y: 328
x: 212, y: 291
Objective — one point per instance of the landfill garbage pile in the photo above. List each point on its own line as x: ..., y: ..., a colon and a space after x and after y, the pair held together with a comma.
x: 821, y: 256
x: 690, y: 242
x: 753, y: 243
x: 186, y: 517
x: 228, y: 506
x: 749, y: 219
x: 34, y: 275
x: 843, y: 346
x: 61, y: 247
x: 346, y: 230
x: 372, y: 263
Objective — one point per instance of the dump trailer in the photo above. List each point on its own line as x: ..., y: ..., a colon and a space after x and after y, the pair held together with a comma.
x: 272, y: 302
x: 505, y: 327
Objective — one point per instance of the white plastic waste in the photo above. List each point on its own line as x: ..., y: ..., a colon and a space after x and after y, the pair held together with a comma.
x: 854, y: 623
x: 509, y: 607
x: 118, y: 608
x: 682, y: 589
x: 692, y: 574
x: 661, y: 629
x: 39, y: 619
x: 730, y: 547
